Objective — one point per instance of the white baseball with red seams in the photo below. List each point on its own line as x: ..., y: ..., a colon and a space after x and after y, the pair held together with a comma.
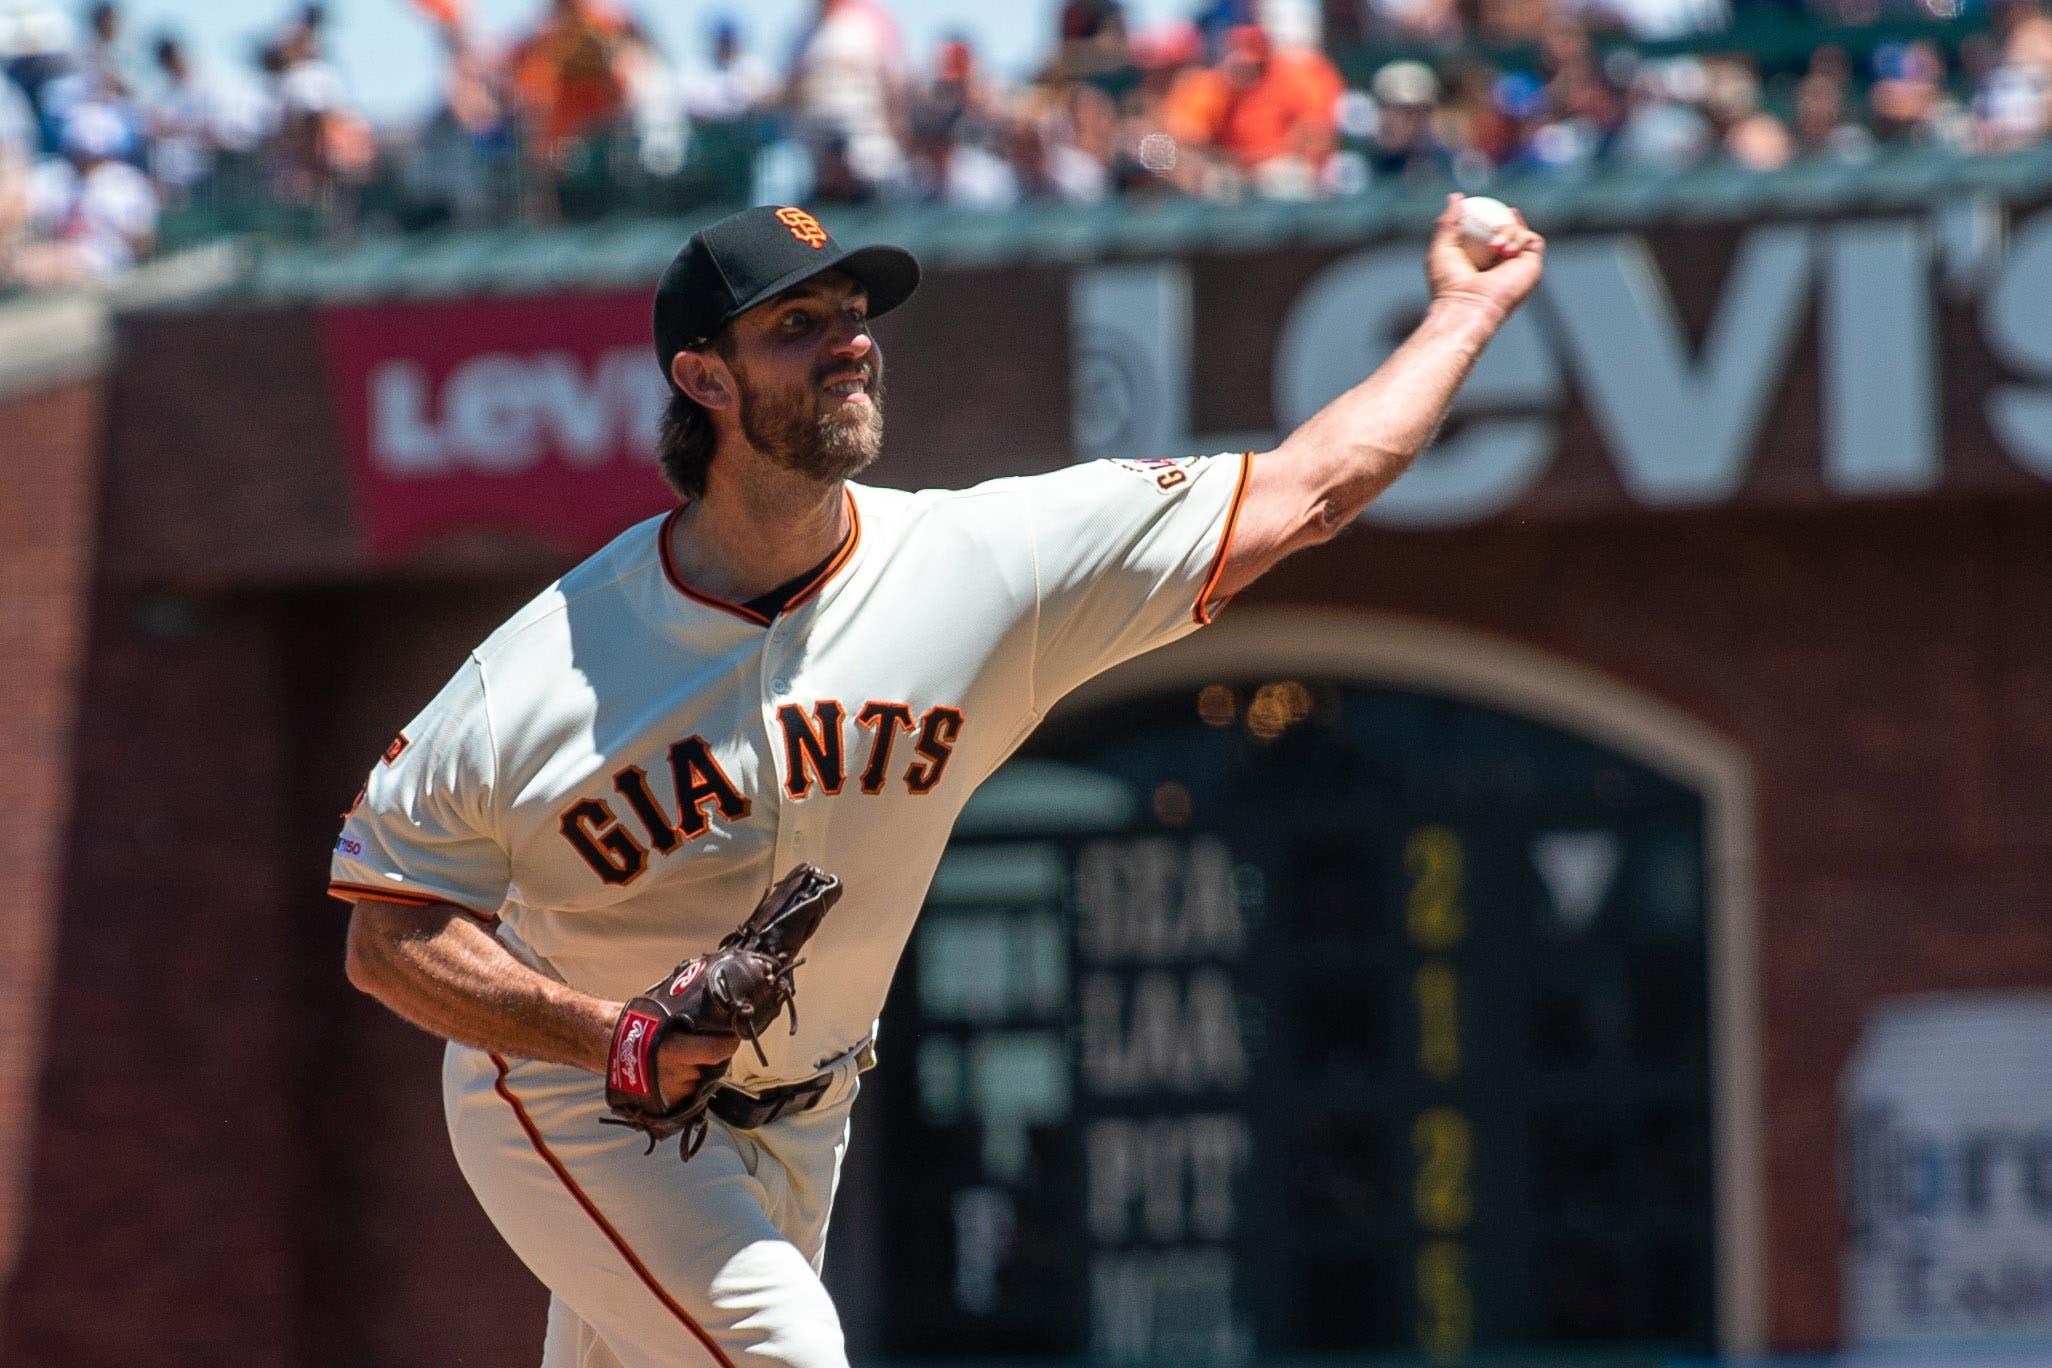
x: 1482, y: 218
x: 617, y: 773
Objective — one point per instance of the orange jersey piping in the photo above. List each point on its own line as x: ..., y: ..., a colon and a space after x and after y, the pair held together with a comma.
x: 619, y: 1242
x: 1202, y: 614
x: 355, y: 892
x: 841, y: 557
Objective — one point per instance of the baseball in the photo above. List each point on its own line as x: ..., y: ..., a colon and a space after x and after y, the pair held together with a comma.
x: 1481, y: 219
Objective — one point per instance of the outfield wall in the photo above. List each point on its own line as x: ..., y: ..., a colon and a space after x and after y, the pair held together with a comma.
x: 1790, y: 482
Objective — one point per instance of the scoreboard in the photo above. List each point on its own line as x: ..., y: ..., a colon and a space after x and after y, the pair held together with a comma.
x: 1300, y: 1015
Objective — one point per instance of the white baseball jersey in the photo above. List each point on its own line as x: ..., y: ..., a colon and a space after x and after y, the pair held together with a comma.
x: 624, y: 766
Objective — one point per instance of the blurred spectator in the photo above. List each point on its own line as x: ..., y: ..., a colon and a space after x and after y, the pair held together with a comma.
x: 1293, y: 23
x: 19, y: 137
x: 309, y: 27
x: 1466, y: 127
x: 1652, y: 21
x: 847, y: 88
x: 584, y: 116
x: 570, y: 74
x: 1216, y: 19
x: 320, y: 146
x: 1749, y: 136
x: 450, y: 171
x: 1760, y: 142
x: 1665, y: 129
x: 104, y: 60
x: 733, y: 84
x: 1577, y: 85
x: 1421, y: 23
x: 571, y: 82
x: 187, y: 124
x: 1850, y: 12
x: 957, y: 135
x: 1512, y: 23
x: 97, y: 72
x: 1161, y: 56
x: 1908, y: 102
x: 37, y: 43
x: 1092, y: 43
x: 1405, y: 145
x: 655, y: 103
x: 1072, y: 136
x: 18, y: 141
x: 728, y: 97
x: 2013, y: 104
x: 975, y: 172
x: 96, y: 69
x: 1822, y: 125
x: 1543, y: 139
x: 1270, y: 113
x: 1143, y: 157
x: 93, y: 215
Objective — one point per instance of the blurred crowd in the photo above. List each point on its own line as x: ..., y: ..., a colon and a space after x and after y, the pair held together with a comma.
x: 105, y: 142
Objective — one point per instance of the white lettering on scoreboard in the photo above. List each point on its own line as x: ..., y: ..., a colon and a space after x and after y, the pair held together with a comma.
x: 1170, y: 1179
x: 1166, y: 1307
x: 1162, y: 1032
x: 1164, y: 1062
x: 1157, y: 901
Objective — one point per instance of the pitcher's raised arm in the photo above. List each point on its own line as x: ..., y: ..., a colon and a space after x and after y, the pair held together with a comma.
x: 1323, y: 474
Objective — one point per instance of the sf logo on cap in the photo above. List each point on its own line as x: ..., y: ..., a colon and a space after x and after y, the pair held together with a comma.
x: 804, y: 227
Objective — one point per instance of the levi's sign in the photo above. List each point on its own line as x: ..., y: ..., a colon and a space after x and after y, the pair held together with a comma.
x: 1789, y: 362
x: 1691, y: 367
x: 533, y: 416
x: 501, y: 412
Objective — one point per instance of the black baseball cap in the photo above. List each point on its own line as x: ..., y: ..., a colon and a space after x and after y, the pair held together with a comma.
x: 731, y: 266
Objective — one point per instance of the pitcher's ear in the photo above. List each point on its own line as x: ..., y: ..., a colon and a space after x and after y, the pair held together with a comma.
x: 703, y: 377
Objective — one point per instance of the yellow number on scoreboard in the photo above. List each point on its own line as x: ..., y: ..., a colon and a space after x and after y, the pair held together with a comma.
x: 1437, y: 866
x: 1445, y: 1148
x: 1446, y: 1305
x: 1439, y: 1025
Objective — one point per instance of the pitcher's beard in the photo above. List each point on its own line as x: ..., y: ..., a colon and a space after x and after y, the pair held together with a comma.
x: 786, y: 426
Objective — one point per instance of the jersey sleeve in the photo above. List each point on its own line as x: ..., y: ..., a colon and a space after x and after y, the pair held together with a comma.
x: 423, y: 830
x: 1127, y: 556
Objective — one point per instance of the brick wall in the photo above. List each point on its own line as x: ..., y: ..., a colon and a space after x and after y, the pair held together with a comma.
x: 255, y: 1147
x: 164, y: 1148
x: 48, y: 516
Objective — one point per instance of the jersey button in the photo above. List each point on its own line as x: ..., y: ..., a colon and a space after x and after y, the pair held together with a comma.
x: 780, y: 685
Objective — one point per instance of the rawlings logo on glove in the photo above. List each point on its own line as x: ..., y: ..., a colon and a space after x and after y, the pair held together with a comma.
x: 737, y: 990
x: 633, y: 1063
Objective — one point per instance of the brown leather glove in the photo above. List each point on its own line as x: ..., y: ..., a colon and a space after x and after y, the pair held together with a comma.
x: 737, y: 990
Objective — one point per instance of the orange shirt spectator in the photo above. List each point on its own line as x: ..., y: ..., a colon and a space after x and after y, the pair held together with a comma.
x: 568, y: 73
x: 1258, y: 103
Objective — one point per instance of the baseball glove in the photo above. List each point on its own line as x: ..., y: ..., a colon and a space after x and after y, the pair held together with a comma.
x: 737, y: 990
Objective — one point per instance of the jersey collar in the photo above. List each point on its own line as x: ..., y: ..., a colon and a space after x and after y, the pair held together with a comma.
x: 746, y: 614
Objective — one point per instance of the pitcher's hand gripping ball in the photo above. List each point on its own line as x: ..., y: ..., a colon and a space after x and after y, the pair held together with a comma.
x: 1483, y: 220
x: 737, y: 990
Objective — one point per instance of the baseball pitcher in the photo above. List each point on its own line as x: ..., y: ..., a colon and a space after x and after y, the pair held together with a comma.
x: 652, y: 854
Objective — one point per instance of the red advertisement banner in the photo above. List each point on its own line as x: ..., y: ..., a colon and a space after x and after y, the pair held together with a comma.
x: 534, y: 416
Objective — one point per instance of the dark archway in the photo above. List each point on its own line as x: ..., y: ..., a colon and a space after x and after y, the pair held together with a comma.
x: 1280, y: 993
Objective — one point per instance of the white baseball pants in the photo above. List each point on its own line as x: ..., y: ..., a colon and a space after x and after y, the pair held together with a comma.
x: 653, y: 1263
